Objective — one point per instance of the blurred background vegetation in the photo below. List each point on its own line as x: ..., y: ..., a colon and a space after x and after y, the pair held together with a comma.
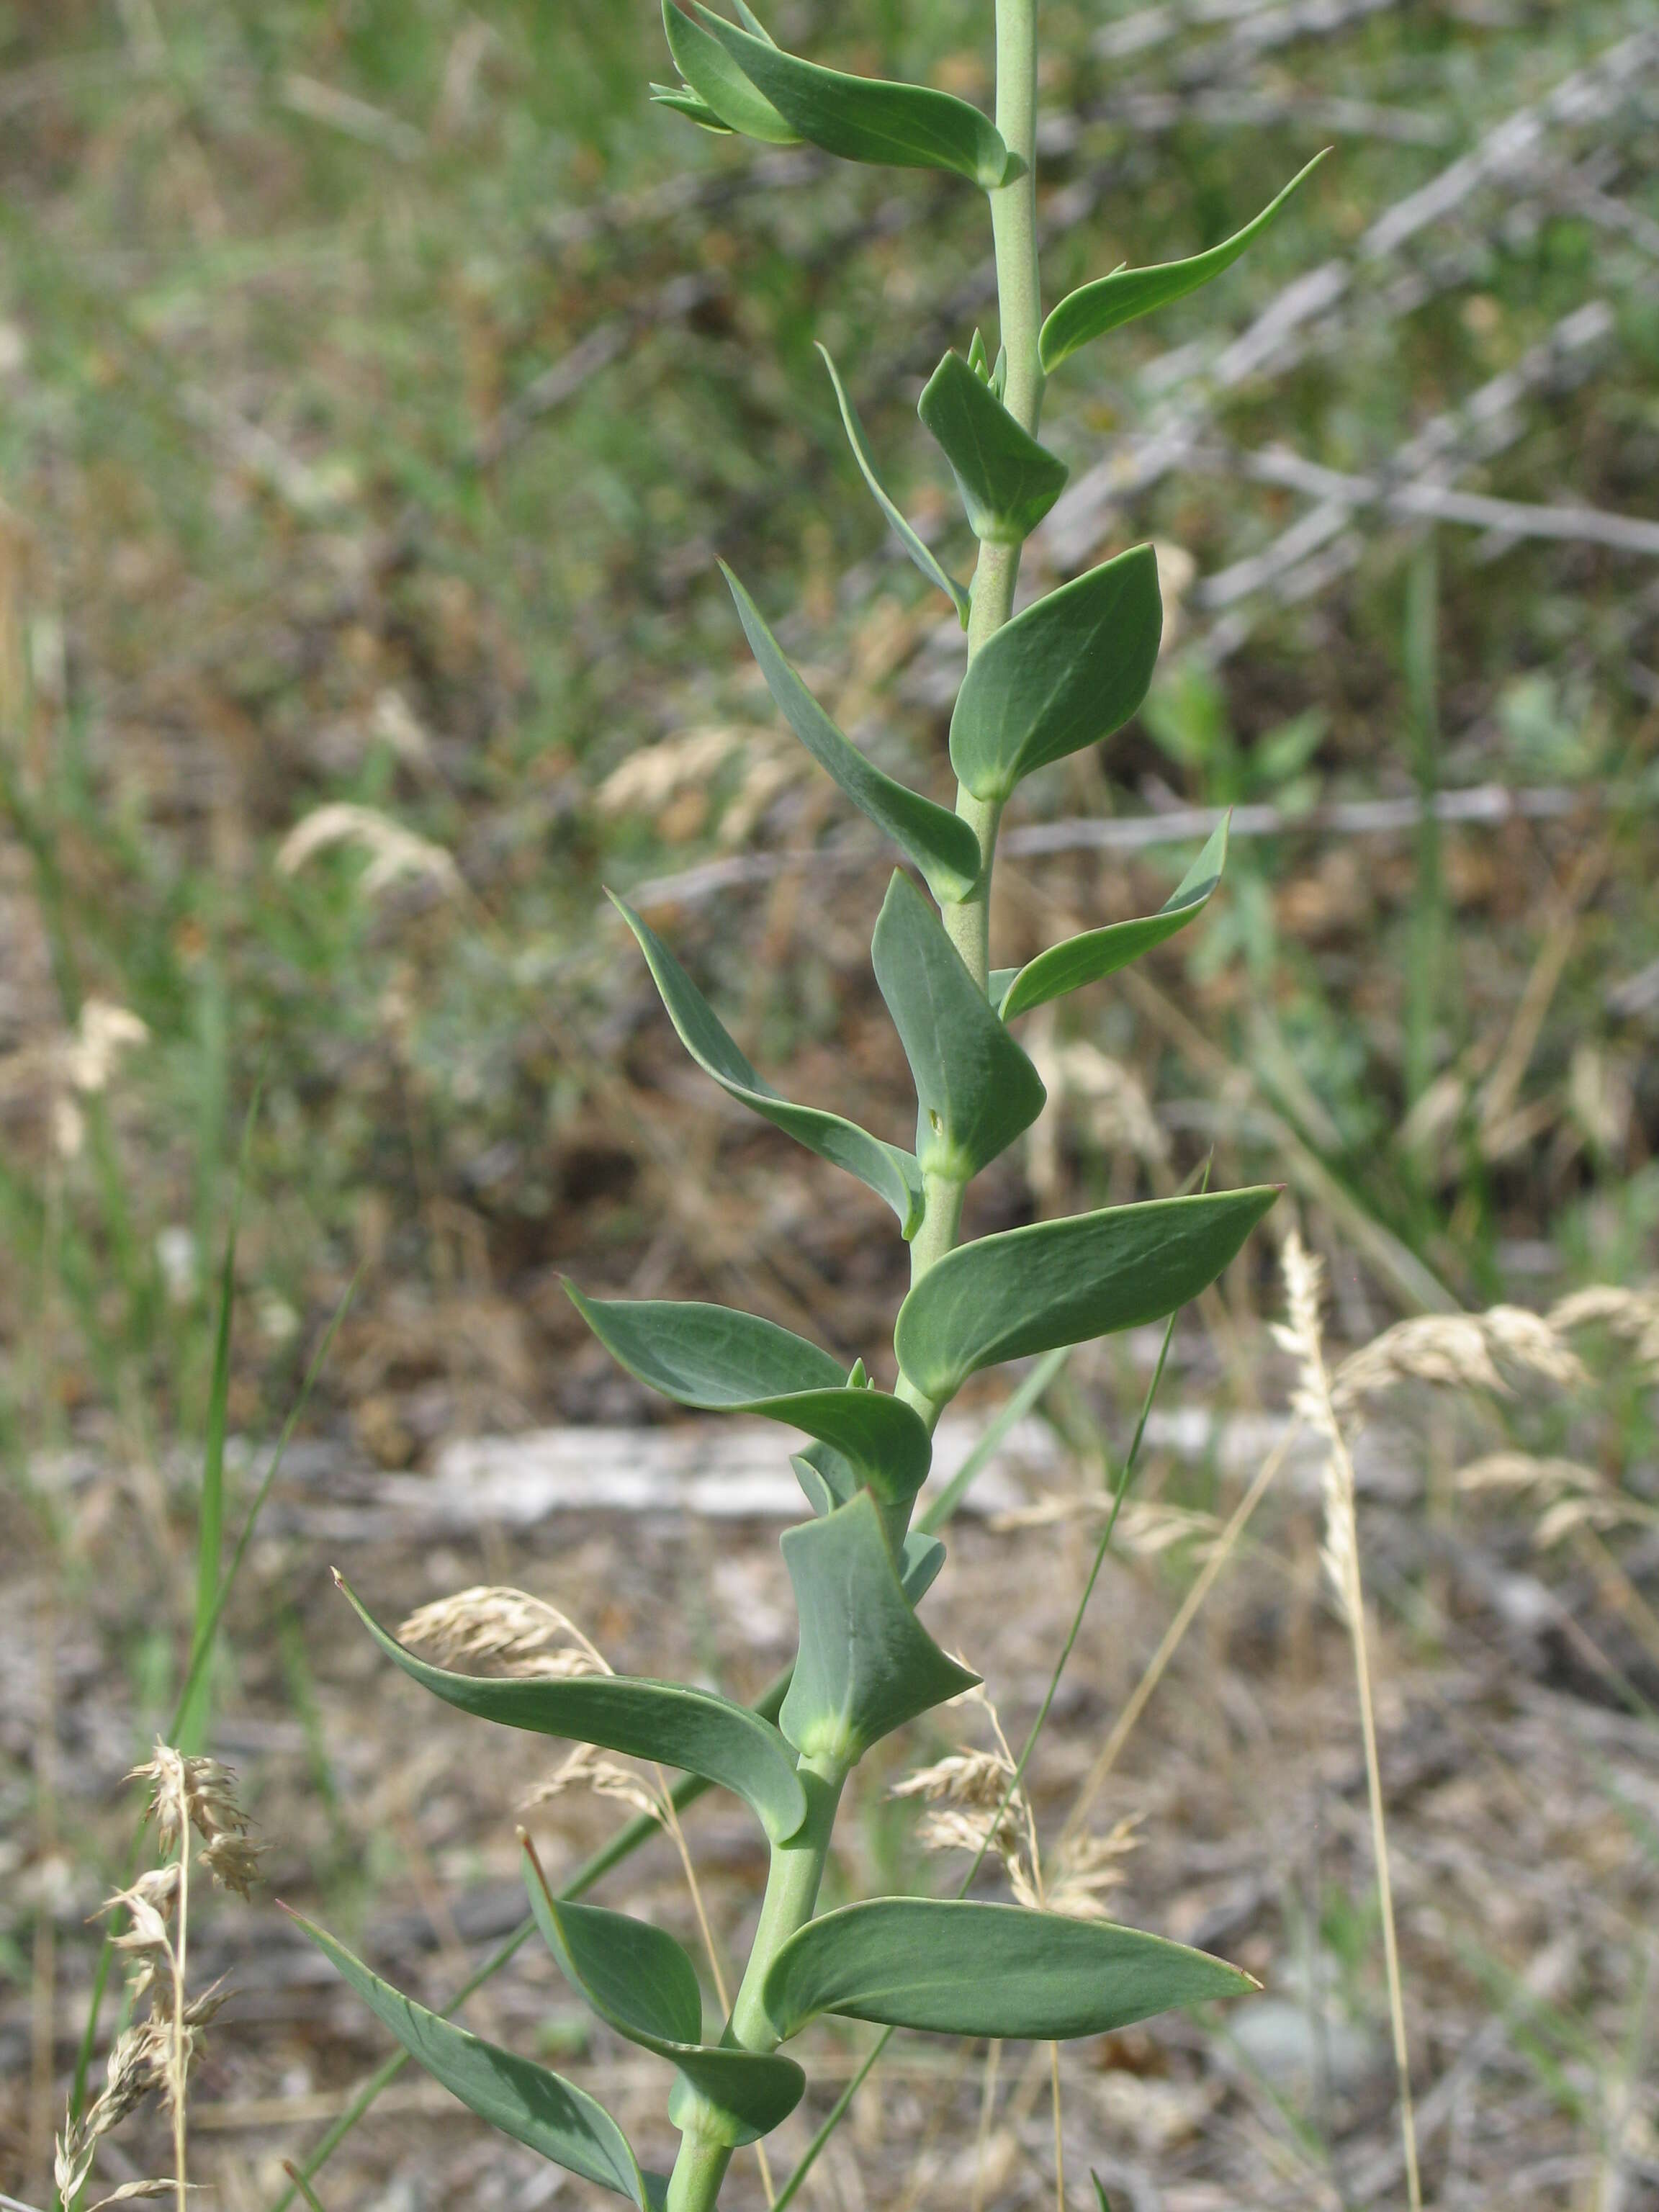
x: 378, y: 384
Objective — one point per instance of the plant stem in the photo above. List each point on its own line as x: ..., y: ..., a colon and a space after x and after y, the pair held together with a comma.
x: 1014, y: 212
x: 792, y: 1896
x: 1013, y: 228
x: 180, y: 2045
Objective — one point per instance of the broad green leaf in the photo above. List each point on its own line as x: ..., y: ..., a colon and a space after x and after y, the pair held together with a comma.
x: 902, y: 529
x: 1111, y: 301
x: 922, y: 1557
x: 689, y: 1729
x: 975, y: 1089
x: 907, y: 126
x: 1065, y: 1282
x: 992, y: 1970
x: 1007, y: 481
x: 1062, y: 675
x: 719, y: 82
x: 866, y: 1664
x: 892, y: 1173
x: 521, y: 2099
x: 940, y: 843
x: 827, y: 1478
x: 1101, y: 953
x: 638, y: 1979
x: 676, y: 97
x: 726, y: 1362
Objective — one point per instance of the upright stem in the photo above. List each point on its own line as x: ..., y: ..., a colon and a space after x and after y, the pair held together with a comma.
x: 792, y: 1896
x: 797, y: 1868
x: 1014, y: 227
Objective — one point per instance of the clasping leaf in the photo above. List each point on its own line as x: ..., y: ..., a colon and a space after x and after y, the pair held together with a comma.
x: 524, y: 2100
x: 1008, y: 482
x: 726, y: 1362
x: 1099, y: 952
x: 1062, y: 675
x: 638, y: 1979
x: 941, y: 843
x: 995, y: 1970
x: 866, y: 1664
x: 913, y: 545
x: 908, y: 126
x: 1111, y: 301
x: 692, y: 1729
x: 892, y: 1173
x: 1026, y: 1290
x: 975, y: 1089
x: 718, y: 84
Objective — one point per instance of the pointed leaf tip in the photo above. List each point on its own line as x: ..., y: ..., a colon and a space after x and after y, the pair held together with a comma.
x: 1063, y: 674
x: 1007, y: 481
x: 909, y: 126
x: 641, y: 1982
x: 718, y: 83
x: 938, y: 841
x: 865, y: 1664
x: 976, y: 1091
x: 674, y: 1724
x: 1111, y: 301
x: 1024, y: 1291
x: 887, y: 1169
x: 1101, y: 953
x: 526, y: 2101
x: 958, y: 1967
x: 907, y: 537
x: 722, y: 1361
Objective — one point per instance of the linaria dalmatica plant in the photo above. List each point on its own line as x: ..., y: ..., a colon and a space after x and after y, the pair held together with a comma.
x: 1060, y: 676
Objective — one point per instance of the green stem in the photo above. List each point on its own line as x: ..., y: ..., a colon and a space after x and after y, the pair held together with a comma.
x: 1019, y: 314
x: 792, y: 1896
x: 1014, y: 212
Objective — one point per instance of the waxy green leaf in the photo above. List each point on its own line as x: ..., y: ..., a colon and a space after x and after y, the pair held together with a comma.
x: 975, y: 1089
x: 892, y: 1173
x: 918, y: 552
x: 907, y: 126
x: 735, y: 1363
x: 1008, y: 482
x: 866, y: 1664
x: 719, y: 82
x: 1028, y: 1289
x: 941, y: 843
x: 685, y: 102
x: 692, y: 1729
x: 919, y: 1564
x: 1062, y: 675
x: 827, y: 1479
x: 638, y: 1979
x: 961, y: 1968
x: 521, y: 2099
x: 1111, y: 301
x: 1100, y: 952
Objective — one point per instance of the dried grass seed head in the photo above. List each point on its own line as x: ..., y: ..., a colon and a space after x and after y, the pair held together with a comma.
x: 588, y: 1769
x: 524, y: 1635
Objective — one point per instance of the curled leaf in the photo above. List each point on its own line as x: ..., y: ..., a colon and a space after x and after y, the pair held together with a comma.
x: 908, y: 126
x: 913, y: 545
x: 1101, y: 953
x: 1111, y: 301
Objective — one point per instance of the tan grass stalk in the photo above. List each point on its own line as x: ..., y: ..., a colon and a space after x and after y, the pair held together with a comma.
x: 1340, y: 1551
x: 987, y: 2103
x: 1141, y: 1696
